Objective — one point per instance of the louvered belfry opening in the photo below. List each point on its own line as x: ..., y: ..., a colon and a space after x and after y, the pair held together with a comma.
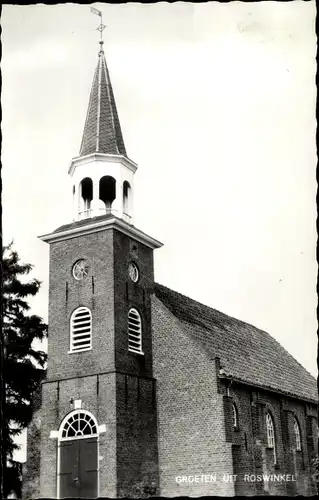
x: 81, y: 330
x: 134, y: 331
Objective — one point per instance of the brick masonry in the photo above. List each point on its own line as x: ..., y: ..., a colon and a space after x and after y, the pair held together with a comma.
x: 116, y: 386
x: 191, y: 427
x: 167, y: 413
x: 251, y: 454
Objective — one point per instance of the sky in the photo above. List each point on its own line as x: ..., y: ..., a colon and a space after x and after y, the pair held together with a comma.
x: 217, y: 107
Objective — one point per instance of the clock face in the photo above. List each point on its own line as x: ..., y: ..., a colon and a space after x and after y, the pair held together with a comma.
x: 133, y: 272
x: 80, y: 269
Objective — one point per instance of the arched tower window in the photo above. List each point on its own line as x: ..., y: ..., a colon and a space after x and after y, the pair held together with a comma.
x: 297, y: 435
x: 81, y: 330
x: 86, y: 195
x: 134, y: 331
x: 107, y: 192
x: 271, y: 442
x: 126, y: 199
x: 235, y: 416
x: 78, y: 424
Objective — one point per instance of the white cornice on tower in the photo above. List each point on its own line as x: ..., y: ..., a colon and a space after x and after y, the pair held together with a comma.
x: 106, y: 224
x: 102, y: 157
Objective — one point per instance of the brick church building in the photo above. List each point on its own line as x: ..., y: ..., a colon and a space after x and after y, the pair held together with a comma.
x: 149, y: 392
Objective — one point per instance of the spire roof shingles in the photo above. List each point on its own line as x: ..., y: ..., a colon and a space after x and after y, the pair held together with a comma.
x: 102, y: 131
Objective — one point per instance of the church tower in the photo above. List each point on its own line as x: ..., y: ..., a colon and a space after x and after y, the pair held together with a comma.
x: 98, y: 416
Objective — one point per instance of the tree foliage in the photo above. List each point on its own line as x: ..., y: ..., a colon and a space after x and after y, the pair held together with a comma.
x: 24, y: 365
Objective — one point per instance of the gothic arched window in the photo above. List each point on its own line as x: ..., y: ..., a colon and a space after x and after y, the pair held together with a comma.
x: 126, y: 199
x: 81, y: 330
x: 134, y: 331
x: 271, y: 442
x: 297, y: 435
x: 235, y: 416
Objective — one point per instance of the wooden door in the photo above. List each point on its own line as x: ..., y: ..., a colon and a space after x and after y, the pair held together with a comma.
x: 78, y: 475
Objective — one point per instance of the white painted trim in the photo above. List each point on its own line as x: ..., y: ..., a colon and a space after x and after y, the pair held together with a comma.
x: 80, y: 350
x: 77, y: 404
x: 54, y: 435
x: 76, y: 311
x: 136, y: 352
x: 66, y: 418
x: 102, y: 428
x: 122, y: 226
x: 101, y: 157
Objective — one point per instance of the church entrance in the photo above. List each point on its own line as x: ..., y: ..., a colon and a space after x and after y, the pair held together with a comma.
x: 78, y: 457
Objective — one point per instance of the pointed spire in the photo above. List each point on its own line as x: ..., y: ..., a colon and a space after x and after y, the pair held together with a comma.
x: 102, y: 131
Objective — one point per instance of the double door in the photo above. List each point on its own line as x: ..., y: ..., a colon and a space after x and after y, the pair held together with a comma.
x: 78, y: 473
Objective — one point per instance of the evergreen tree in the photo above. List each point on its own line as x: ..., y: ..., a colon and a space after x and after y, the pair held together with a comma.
x: 23, y: 366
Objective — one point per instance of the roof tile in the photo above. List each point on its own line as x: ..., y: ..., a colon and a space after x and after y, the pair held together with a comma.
x: 102, y: 131
x: 247, y: 353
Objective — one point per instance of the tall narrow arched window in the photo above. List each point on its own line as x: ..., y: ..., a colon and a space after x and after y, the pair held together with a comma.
x: 107, y: 193
x: 126, y: 199
x: 235, y: 416
x: 271, y: 441
x: 134, y: 331
x: 81, y: 330
x: 86, y: 195
x: 297, y: 435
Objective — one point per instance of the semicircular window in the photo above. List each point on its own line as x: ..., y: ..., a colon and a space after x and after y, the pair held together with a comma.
x: 79, y: 425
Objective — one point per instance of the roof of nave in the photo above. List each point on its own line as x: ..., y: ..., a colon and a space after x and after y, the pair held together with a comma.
x: 102, y: 130
x: 250, y: 355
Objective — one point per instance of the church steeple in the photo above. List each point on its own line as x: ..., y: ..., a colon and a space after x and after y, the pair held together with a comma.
x: 102, y: 131
x: 102, y: 174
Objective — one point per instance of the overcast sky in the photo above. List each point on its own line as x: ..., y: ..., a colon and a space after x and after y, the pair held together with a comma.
x: 217, y: 107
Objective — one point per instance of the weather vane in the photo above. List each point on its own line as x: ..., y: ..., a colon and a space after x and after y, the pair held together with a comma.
x: 102, y: 26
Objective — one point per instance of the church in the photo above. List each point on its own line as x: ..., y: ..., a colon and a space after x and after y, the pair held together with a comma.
x: 147, y: 391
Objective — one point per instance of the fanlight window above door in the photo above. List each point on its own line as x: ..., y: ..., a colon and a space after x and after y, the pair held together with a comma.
x: 79, y: 425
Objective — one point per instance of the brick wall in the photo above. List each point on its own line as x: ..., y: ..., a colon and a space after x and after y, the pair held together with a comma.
x: 251, y: 454
x: 96, y: 292
x: 137, y: 456
x: 126, y: 401
x: 137, y: 461
x: 98, y: 397
x: 128, y: 294
x: 191, y: 427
